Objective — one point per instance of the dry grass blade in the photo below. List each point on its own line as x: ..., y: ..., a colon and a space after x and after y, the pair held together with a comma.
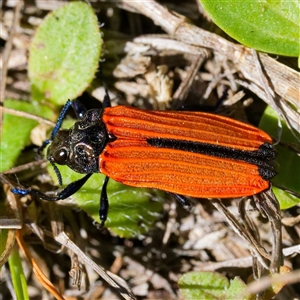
x: 36, y: 269
x: 6, y: 55
x: 14, y: 222
x: 268, y: 203
x: 245, y: 262
x: 276, y: 282
x: 25, y: 167
x: 26, y: 115
x: 260, y: 252
x: 65, y: 241
x: 181, y: 92
x: 10, y: 223
x: 10, y: 242
x: 283, y: 79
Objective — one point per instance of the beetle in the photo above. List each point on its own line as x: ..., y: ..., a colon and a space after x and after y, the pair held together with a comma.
x: 195, y: 154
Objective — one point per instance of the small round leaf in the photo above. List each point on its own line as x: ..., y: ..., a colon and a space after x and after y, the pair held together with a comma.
x: 64, y: 53
x: 203, y: 285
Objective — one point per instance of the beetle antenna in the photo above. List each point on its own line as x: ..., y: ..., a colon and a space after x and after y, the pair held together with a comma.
x: 57, y: 173
x: 41, y: 148
x: 106, y: 99
x: 56, y: 127
x: 60, y: 119
x: 53, y: 134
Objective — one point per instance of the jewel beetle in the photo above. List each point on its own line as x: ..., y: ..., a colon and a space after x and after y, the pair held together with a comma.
x: 195, y: 154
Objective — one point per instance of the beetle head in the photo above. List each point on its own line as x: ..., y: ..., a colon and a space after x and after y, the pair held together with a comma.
x: 80, y: 146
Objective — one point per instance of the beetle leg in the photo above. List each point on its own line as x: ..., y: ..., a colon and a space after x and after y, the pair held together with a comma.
x: 182, y: 200
x: 106, y: 100
x: 104, y: 205
x: 69, y: 190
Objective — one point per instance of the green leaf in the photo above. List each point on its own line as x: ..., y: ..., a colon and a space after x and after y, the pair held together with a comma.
x: 212, y: 286
x: 288, y: 162
x: 16, y: 130
x: 237, y: 290
x: 17, y: 275
x: 203, y: 285
x: 286, y: 200
x: 64, y: 53
x: 268, y: 25
x: 132, y: 211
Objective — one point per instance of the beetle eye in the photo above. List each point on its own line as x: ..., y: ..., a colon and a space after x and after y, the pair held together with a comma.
x: 61, y: 157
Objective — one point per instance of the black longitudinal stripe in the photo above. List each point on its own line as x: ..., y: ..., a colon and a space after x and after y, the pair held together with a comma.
x: 259, y: 157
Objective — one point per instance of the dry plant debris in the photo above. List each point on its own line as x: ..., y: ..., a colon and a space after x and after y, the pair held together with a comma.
x: 157, y: 56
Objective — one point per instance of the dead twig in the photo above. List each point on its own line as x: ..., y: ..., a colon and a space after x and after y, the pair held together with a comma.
x: 5, y: 57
